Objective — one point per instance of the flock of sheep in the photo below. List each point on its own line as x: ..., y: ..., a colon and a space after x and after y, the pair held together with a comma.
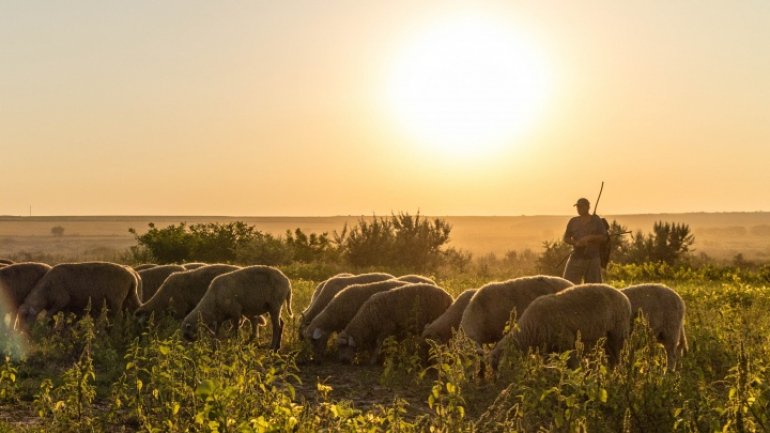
x: 550, y: 313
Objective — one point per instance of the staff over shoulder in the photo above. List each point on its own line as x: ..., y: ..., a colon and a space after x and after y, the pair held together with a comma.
x: 587, y: 234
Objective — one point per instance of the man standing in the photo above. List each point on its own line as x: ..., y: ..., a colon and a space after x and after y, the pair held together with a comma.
x: 586, y: 233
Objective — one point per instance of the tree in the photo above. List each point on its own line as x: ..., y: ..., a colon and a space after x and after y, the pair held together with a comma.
x: 57, y: 231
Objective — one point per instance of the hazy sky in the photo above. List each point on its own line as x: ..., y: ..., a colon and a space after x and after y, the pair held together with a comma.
x: 321, y: 108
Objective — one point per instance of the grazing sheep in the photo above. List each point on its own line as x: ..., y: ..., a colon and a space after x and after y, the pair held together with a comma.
x: 153, y: 277
x: 331, y: 288
x: 552, y: 323
x: 182, y: 291
x: 413, y: 278
x: 16, y: 281
x: 193, y: 265
x: 488, y: 311
x: 341, y: 309
x: 321, y: 285
x: 398, y: 312
x: 247, y: 292
x: 664, y: 310
x: 445, y: 325
x: 72, y: 287
x: 144, y: 266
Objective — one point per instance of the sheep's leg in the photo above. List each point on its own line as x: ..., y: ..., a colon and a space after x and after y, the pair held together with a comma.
x: 482, y: 362
x: 277, y: 322
x: 670, y: 342
x: 613, y: 346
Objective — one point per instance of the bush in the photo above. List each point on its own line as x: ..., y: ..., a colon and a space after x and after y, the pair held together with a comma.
x: 400, y: 241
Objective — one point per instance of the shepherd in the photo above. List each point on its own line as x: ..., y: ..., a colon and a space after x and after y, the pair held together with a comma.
x: 587, y: 233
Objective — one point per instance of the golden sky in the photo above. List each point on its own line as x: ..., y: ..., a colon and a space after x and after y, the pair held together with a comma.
x: 361, y: 107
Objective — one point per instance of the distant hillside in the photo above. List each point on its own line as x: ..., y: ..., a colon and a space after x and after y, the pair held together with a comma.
x: 721, y: 235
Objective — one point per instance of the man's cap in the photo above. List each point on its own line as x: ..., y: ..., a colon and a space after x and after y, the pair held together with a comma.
x: 582, y: 200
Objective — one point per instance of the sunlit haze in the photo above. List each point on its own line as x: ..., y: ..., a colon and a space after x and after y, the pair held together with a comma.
x: 350, y: 108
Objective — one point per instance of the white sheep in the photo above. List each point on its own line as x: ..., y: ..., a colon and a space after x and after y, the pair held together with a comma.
x: 489, y: 310
x: 397, y: 312
x: 341, y: 309
x: 664, y: 310
x: 153, y: 277
x: 182, y: 291
x: 444, y: 326
x: 73, y: 287
x: 331, y: 288
x: 248, y: 292
x: 553, y: 323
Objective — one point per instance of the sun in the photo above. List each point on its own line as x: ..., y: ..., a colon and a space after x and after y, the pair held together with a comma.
x: 466, y: 85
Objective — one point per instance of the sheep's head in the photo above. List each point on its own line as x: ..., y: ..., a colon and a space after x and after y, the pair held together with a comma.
x: 189, y: 331
x: 433, y: 333
x: 27, y: 315
x: 317, y: 338
x: 141, y: 316
x: 346, y: 347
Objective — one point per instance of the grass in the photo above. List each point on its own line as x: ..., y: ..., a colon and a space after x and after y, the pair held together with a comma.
x: 92, y: 375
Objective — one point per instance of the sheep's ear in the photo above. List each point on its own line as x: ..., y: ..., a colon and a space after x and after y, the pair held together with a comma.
x: 317, y: 333
x: 351, y: 341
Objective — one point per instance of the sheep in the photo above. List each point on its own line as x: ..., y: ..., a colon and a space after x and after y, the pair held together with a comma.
x: 193, y: 265
x: 552, y: 323
x: 444, y: 326
x: 488, y: 311
x: 249, y: 292
x: 153, y: 277
x: 396, y: 312
x: 73, y: 286
x: 6, y: 262
x: 341, y: 309
x: 144, y: 266
x: 664, y: 310
x: 321, y: 285
x: 16, y: 281
x: 413, y: 278
x: 331, y: 288
x: 182, y: 291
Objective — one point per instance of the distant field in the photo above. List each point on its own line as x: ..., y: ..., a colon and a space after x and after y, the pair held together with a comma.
x: 720, y: 235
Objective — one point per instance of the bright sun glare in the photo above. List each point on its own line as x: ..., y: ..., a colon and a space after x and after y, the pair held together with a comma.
x: 467, y: 85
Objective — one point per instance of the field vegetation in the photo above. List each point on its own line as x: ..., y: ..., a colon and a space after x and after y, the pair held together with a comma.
x: 97, y: 375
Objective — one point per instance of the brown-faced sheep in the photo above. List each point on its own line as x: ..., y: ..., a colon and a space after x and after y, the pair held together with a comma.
x: 397, y: 312
x: 552, y: 323
x: 16, y: 281
x: 248, y: 292
x: 182, y: 291
x: 341, y: 309
x: 488, y: 311
x: 72, y: 287
x: 664, y: 310
x: 444, y: 326
x: 193, y: 265
x: 331, y: 288
x: 153, y: 277
x: 144, y: 266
